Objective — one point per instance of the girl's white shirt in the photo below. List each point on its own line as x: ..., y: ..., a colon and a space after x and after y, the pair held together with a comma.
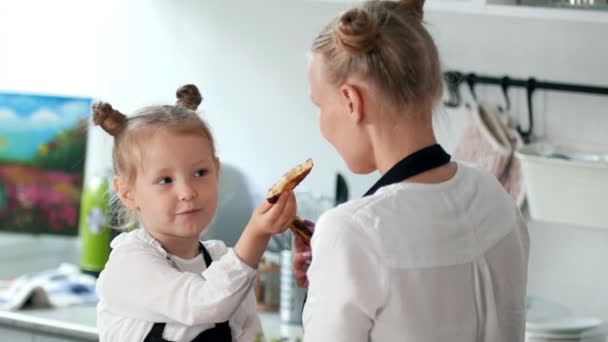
x: 142, y: 284
x: 420, y: 262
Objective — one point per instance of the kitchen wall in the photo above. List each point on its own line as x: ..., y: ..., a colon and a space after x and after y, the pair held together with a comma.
x: 248, y: 57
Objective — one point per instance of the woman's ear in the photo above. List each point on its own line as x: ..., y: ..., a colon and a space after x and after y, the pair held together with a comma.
x: 124, y: 193
x: 353, y: 99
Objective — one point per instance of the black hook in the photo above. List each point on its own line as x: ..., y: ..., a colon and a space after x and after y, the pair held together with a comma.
x: 530, y: 87
x: 504, y: 84
x: 453, y: 80
x: 471, y: 80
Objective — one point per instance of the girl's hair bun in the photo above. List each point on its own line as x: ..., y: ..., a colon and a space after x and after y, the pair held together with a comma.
x: 189, y: 97
x: 108, y: 118
x: 414, y: 7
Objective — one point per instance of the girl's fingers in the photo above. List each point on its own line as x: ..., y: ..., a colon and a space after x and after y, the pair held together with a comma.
x: 264, y: 206
x: 288, y: 211
x: 275, y: 210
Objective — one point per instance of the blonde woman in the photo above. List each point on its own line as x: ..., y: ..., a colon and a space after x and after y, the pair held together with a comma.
x: 435, y: 250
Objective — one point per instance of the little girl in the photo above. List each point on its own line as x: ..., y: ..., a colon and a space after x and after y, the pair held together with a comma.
x: 161, y: 283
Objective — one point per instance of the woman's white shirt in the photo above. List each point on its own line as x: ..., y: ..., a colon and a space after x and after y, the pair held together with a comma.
x: 420, y: 262
x: 143, y: 284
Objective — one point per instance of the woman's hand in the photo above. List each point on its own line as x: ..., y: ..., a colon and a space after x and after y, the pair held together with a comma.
x: 302, y: 256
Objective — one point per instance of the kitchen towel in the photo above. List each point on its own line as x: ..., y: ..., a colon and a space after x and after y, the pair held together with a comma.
x: 489, y: 143
x: 63, y: 286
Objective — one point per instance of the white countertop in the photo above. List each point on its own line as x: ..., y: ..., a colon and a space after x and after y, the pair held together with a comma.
x: 23, y: 253
x: 79, y: 322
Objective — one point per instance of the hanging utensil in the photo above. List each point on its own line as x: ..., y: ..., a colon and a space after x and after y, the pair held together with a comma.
x: 341, y: 194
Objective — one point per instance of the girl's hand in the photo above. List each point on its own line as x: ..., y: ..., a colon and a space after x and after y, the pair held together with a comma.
x: 268, y: 219
x: 302, y: 256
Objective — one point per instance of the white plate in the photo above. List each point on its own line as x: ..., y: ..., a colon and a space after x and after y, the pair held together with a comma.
x: 542, y: 336
x: 563, y: 325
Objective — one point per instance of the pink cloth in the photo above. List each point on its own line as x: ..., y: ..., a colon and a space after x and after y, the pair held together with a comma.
x: 490, y: 144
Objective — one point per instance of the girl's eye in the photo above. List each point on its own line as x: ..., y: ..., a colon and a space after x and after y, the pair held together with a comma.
x: 165, y: 180
x: 200, y: 173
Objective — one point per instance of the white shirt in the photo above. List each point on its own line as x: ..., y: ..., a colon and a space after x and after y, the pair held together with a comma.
x: 420, y: 262
x: 143, y: 284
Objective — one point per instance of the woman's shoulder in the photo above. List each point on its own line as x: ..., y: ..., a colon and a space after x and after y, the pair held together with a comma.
x: 343, y: 223
x: 474, y: 174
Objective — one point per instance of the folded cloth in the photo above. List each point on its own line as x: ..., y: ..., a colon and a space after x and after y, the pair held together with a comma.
x: 66, y: 285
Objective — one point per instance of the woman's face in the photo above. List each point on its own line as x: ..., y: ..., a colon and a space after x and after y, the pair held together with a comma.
x: 336, y: 121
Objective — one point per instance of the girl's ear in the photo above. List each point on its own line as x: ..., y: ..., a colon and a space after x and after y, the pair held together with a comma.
x: 218, y: 167
x: 123, y: 190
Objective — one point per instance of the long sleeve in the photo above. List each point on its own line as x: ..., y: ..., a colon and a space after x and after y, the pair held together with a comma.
x: 140, y: 283
x: 347, y: 283
x: 252, y: 327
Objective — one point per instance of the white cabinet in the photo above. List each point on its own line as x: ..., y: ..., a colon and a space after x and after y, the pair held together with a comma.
x: 45, y: 338
x: 11, y: 335
x: 509, y: 8
x: 8, y: 334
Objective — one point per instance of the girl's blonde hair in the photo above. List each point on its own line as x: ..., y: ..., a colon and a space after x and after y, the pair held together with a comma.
x: 386, y: 43
x: 129, y: 133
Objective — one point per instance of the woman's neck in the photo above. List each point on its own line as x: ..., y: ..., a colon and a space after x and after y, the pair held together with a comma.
x: 391, y: 144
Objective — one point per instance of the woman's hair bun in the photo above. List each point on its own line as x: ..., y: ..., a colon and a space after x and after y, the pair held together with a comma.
x: 415, y: 7
x: 189, y: 97
x: 108, y: 118
x: 357, y: 31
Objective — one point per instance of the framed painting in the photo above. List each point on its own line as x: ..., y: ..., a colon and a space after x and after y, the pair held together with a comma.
x: 42, y: 154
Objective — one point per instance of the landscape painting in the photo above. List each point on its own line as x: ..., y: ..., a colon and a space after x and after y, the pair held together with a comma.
x: 42, y: 154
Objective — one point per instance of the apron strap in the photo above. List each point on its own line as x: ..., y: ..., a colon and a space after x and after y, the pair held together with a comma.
x: 205, y: 253
x: 220, y: 333
x: 423, y: 160
x: 156, y: 333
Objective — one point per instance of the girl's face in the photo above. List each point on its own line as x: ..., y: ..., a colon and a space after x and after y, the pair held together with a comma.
x: 176, y: 188
x: 338, y: 126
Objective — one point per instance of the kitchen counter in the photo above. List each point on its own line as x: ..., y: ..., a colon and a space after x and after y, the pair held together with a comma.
x: 22, y: 253
x: 77, y: 323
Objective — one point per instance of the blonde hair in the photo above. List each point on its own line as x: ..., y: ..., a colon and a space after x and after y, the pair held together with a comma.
x: 386, y: 43
x: 128, y: 133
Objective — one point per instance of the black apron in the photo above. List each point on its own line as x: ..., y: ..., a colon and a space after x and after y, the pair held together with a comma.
x: 220, y: 333
x: 423, y: 160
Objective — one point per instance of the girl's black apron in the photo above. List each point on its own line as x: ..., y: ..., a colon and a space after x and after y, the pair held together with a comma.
x: 219, y: 333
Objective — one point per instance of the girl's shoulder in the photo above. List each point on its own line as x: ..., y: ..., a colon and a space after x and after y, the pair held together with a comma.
x: 136, y: 244
x: 216, y: 248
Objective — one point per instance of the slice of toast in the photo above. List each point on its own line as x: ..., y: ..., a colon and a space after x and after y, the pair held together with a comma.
x: 289, y: 181
x: 298, y: 227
